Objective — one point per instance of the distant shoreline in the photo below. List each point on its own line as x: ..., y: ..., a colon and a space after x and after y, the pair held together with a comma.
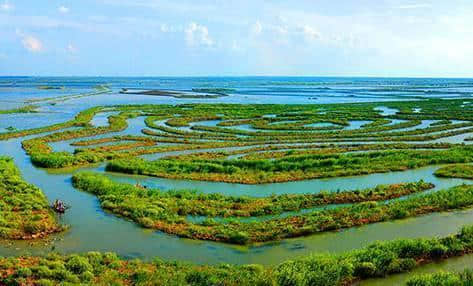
x: 172, y: 93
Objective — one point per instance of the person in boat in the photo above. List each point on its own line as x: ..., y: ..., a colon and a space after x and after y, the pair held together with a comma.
x: 59, y: 206
x: 138, y: 185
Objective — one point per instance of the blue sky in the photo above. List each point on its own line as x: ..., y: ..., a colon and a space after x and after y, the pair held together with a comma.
x: 244, y: 37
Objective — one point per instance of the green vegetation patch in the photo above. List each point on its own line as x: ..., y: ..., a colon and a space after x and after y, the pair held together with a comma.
x: 23, y: 109
x: 456, y: 171
x: 292, y: 168
x: 464, y: 278
x: 250, y: 125
x: 49, y: 87
x: 98, y: 90
x: 189, y: 202
x: 24, y: 210
x: 95, y: 268
x: 170, y: 211
x: 376, y: 260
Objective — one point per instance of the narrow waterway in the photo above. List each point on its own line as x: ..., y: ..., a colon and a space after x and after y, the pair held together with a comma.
x: 94, y: 229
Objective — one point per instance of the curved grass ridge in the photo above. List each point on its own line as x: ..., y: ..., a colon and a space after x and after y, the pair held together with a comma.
x: 226, y: 134
x: 376, y: 260
x: 189, y: 202
x: 291, y: 167
x: 168, y: 211
x: 456, y: 171
x: 464, y: 278
x: 80, y: 120
x: 23, y: 109
x: 24, y: 210
x: 98, y: 90
x: 43, y: 156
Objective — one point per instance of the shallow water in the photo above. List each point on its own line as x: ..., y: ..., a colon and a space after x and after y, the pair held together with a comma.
x: 455, y: 264
x: 386, y: 111
x: 320, y: 124
x: 101, y: 119
x: 356, y: 124
x: 422, y: 125
x: 298, y: 187
x: 32, y: 120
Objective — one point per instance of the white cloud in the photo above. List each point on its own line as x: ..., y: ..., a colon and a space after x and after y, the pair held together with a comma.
x: 257, y: 28
x: 164, y: 28
x: 310, y: 33
x: 6, y: 6
x: 198, y: 35
x: 282, y: 30
x: 71, y: 48
x: 63, y: 10
x: 415, y: 6
x: 236, y: 46
x: 30, y: 43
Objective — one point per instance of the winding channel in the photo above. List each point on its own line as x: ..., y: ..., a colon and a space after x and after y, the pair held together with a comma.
x: 94, y: 229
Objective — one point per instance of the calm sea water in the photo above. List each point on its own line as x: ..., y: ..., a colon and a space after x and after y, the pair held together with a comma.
x: 18, y: 91
x: 15, y: 90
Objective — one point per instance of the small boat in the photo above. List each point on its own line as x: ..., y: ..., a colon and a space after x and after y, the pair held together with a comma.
x: 59, y: 207
x: 140, y: 186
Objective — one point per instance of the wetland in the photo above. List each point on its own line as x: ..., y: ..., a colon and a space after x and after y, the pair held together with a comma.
x: 250, y: 187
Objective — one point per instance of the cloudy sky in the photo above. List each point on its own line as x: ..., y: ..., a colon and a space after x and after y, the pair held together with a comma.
x: 242, y: 37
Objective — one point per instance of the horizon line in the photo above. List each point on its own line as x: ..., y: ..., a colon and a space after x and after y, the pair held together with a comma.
x: 236, y: 76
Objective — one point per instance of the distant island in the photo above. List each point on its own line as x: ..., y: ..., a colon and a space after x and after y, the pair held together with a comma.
x: 194, y: 93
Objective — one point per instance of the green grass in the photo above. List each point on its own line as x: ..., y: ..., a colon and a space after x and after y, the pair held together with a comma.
x: 464, y: 278
x: 376, y: 260
x: 23, y: 109
x: 266, y: 133
x: 291, y: 167
x: 456, y: 171
x: 24, y: 210
x: 96, y: 268
x: 168, y: 211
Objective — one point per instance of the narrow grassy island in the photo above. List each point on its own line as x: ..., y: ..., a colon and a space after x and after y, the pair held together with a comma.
x: 188, y: 202
x: 171, y: 211
x: 24, y: 210
x: 292, y: 167
x: 376, y: 260
x: 464, y: 278
x: 23, y: 109
x: 456, y: 171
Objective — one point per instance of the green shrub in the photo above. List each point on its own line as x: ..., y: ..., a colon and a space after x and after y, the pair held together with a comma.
x: 78, y: 264
x: 23, y: 272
